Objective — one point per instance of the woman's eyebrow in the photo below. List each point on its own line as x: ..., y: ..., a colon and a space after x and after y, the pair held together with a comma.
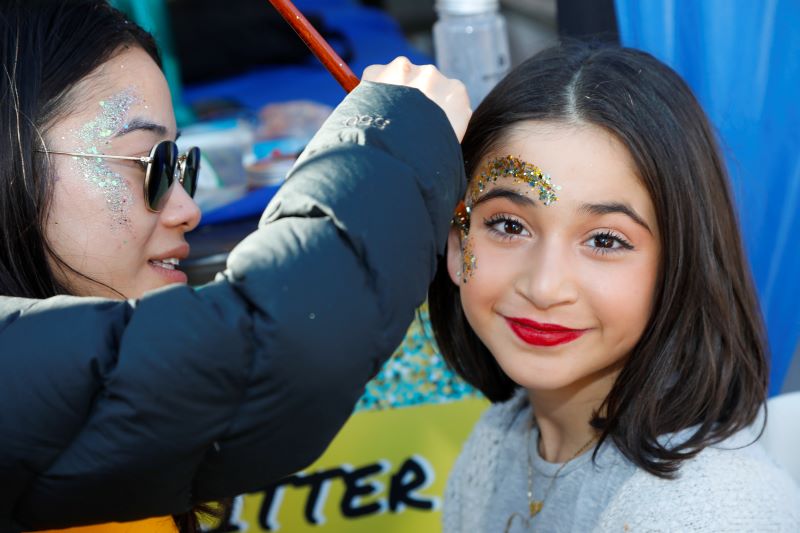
x: 516, y: 197
x: 615, y: 207
x: 138, y: 124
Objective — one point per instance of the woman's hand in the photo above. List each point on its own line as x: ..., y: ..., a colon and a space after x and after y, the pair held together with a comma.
x: 449, y: 94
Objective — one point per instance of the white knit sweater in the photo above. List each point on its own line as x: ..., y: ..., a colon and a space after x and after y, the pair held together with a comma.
x: 731, y: 487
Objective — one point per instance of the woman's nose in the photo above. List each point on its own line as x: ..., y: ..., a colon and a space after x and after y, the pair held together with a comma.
x: 180, y: 209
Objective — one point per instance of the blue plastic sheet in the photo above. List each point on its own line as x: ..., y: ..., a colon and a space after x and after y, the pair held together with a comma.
x: 374, y: 37
x: 742, y: 59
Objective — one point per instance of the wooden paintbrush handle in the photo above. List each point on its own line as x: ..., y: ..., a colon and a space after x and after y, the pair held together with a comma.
x: 317, y: 44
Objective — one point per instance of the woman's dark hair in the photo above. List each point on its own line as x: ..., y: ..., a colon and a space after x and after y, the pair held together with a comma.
x: 701, y: 360
x: 48, y: 47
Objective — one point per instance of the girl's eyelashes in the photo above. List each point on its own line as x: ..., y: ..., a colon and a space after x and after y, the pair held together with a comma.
x: 508, y: 227
x: 607, y: 242
x: 505, y: 226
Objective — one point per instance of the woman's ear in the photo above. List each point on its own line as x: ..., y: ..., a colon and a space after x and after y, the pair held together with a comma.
x: 454, y: 260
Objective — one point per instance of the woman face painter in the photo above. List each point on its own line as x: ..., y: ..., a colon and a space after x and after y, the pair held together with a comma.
x: 105, y: 239
x: 596, y: 289
x: 138, y: 403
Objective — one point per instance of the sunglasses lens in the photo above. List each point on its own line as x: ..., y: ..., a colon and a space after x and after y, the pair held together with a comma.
x: 162, y: 172
x: 191, y: 169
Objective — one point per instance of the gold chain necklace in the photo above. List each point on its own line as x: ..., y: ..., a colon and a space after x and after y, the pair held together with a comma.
x: 535, y: 506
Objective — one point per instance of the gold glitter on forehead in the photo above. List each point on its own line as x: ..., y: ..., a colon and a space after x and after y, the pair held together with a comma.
x: 518, y: 170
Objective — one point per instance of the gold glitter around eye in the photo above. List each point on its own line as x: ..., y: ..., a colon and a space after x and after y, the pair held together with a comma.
x: 461, y: 217
x: 470, y: 262
x: 504, y: 167
x: 521, y: 172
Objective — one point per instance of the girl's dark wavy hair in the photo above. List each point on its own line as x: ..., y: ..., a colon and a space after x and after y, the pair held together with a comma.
x: 48, y: 48
x: 702, y: 359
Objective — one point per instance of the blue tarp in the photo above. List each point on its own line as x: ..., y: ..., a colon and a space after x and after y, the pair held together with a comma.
x: 742, y: 58
x: 374, y: 38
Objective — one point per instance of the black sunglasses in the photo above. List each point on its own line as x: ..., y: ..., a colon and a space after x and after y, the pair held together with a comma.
x: 160, y: 167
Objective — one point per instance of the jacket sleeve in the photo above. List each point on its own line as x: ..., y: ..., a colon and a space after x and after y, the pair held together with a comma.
x: 121, y: 410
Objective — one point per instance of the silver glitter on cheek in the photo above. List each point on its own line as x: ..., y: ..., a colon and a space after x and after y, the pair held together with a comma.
x: 96, y: 171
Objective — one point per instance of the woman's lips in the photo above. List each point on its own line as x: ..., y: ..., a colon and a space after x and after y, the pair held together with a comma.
x: 170, y: 275
x: 539, y: 334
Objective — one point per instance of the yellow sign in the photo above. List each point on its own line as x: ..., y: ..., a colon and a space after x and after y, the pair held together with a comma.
x: 385, y: 471
x: 387, y: 468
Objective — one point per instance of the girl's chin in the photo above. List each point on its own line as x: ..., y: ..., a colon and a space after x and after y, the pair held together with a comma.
x: 541, y: 381
x: 538, y: 386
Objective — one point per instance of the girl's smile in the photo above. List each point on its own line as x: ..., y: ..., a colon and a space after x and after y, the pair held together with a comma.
x: 539, y: 334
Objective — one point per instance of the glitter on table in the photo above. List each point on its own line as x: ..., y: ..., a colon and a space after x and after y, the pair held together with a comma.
x: 416, y: 374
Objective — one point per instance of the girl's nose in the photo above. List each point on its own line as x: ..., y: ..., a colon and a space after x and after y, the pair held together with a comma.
x: 547, y: 279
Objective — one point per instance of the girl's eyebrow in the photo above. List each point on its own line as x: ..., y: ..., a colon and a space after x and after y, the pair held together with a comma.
x: 615, y: 207
x: 605, y: 208
x: 516, y: 197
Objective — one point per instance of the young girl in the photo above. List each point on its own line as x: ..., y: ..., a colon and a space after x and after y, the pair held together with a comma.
x: 126, y: 394
x: 596, y: 290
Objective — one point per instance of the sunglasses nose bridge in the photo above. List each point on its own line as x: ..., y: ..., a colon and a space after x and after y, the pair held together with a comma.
x: 180, y: 168
x: 188, y: 170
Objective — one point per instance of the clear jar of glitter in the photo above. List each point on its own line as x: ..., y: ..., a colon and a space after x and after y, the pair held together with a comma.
x: 471, y: 43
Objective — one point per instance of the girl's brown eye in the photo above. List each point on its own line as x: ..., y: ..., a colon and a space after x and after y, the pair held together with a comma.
x: 512, y: 227
x: 603, y: 241
x: 505, y: 227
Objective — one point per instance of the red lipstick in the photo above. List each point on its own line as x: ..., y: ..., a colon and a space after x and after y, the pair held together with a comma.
x: 539, y: 334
